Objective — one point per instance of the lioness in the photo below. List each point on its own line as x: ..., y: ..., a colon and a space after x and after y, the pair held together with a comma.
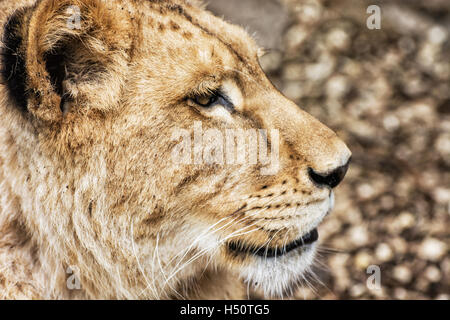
x: 92, y: 203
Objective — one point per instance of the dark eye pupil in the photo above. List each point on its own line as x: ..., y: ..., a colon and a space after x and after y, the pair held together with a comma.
x: 213, y: 99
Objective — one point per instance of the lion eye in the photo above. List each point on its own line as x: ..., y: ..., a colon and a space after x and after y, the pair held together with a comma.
x: 206, y: 101
x: 211, y: 100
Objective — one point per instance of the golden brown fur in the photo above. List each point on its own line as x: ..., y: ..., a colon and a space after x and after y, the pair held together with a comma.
x: 85, y: 176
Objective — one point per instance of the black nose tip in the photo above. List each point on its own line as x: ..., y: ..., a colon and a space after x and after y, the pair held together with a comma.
x: 331, y: 179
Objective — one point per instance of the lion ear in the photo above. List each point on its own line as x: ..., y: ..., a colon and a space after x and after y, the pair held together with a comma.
x: 66, y: 50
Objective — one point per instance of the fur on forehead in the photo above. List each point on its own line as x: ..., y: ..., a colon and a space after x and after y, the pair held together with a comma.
x: 235, y: 37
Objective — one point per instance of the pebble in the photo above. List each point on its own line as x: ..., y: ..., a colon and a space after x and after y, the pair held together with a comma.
x: 441, y: 195
x: 384, y: 252
x: 295, y: 36
x: 337, y: 87
x: 432, y: 249
x: 391, y: 122
x: 365, y: 191
x: 404, y: 220
x: 442, y: 145
x: 437, y: 35
x: 400, y: 293
x: 400, y: 245
x: 309, y: 12
x: 433, y: 274
x: 357, y: 290
x: 338, y: 39
x: 321, y: 70
x: 402, y: 274
x: 362, y: 260
x: 358, y: 235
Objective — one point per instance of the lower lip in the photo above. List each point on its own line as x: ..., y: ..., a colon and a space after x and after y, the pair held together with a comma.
x: 307, y: 239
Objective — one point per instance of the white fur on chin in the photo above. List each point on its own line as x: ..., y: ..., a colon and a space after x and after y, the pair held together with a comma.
x: 279, y: 276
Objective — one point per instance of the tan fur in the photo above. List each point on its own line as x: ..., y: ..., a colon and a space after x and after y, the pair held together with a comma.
x: 91, y: 185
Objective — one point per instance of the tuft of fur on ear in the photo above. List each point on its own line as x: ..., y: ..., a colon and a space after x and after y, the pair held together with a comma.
x: 66, y: 52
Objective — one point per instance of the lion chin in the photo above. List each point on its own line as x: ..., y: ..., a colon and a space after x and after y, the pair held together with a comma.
x: 278, y: 272
x: 279, y: 277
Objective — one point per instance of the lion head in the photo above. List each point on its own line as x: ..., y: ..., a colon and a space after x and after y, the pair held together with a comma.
x: 144, y: 145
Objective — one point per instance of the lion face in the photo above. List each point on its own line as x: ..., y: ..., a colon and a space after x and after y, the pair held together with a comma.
x: 173, y: 150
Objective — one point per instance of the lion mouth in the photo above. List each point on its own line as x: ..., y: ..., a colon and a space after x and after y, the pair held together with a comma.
x: 238, y: 247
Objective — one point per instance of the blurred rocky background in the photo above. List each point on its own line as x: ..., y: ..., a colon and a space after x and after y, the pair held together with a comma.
x: 386, y: 92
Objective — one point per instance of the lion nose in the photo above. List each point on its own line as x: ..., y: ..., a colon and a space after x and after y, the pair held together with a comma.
x: 331, y: 179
